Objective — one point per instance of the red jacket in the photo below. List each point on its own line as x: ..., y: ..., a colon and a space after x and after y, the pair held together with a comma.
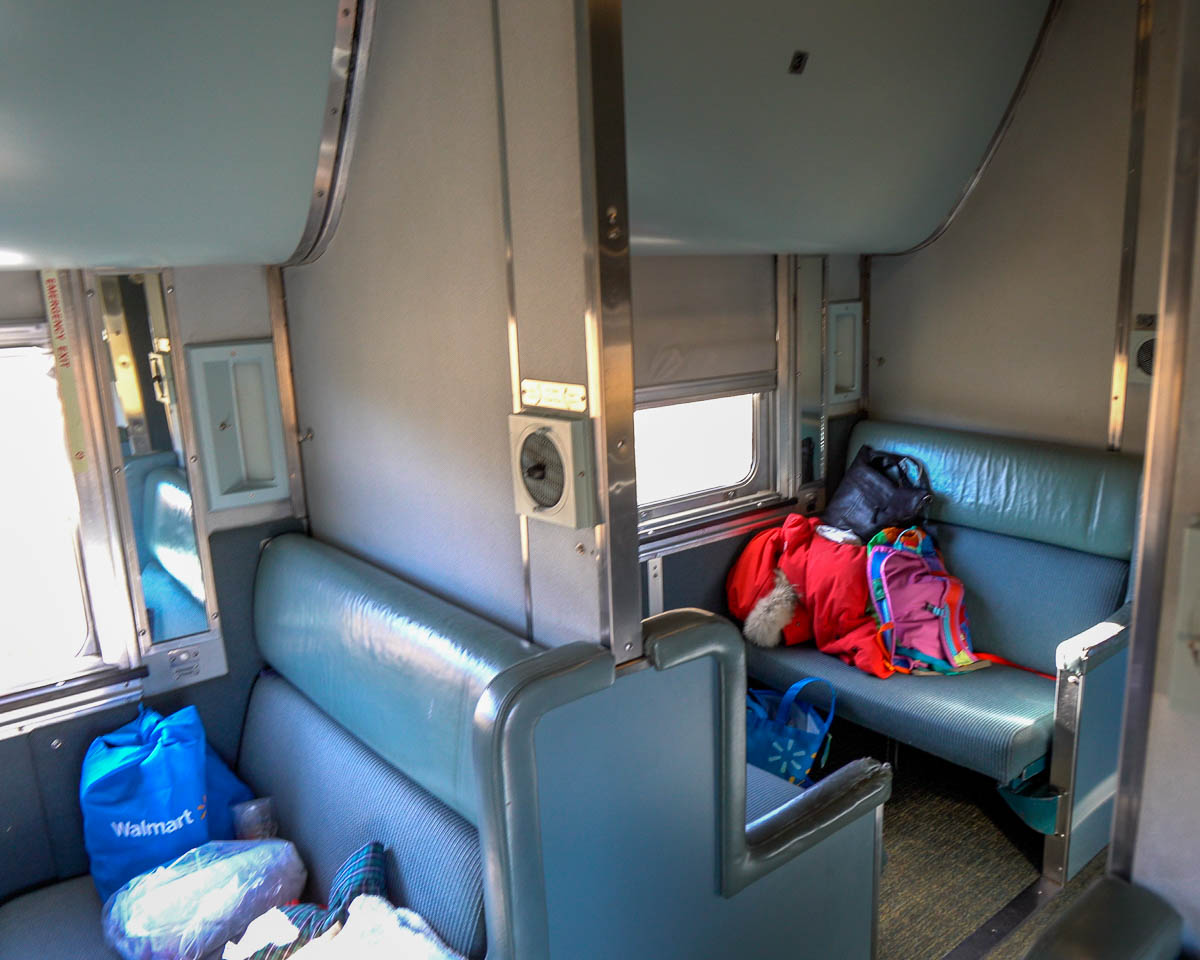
x: 833, y: 602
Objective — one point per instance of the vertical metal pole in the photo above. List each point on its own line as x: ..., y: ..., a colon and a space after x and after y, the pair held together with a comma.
x: 1133, y: 199
x: 864, y: 295
x: 514, y: 355
x: 1162, y: 444
x: 787, y: 415
x: 609, y: 319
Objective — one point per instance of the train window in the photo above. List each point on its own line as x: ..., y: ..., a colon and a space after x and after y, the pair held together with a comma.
x: 700, y: 458
x: 46, y: 629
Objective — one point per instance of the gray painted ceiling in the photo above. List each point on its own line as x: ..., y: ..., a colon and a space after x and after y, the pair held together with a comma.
x: 867, y: 150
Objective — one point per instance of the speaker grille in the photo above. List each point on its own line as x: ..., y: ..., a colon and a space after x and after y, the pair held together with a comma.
x: 542, y: 469
x: 1145, y: 356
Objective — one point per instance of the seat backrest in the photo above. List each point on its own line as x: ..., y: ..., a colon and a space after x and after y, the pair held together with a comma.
x: 1069, y: 497
x: 398, y: 667
x: 170, y: 531
x: 1039, y: 534
x: 368, y: 732
x: 332, y: 794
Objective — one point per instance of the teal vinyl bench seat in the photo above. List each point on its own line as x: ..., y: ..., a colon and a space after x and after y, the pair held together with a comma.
x: 1042, y: 537
x: 362, y: 729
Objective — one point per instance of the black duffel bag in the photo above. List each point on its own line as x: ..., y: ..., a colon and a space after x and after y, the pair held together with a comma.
x: 878, y: 491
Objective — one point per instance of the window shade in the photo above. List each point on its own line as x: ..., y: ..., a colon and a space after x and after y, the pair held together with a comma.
x: 699, y: 319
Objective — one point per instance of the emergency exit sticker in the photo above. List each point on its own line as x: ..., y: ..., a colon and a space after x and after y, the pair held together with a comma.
x: 571, y: 397
x: 65, y: 369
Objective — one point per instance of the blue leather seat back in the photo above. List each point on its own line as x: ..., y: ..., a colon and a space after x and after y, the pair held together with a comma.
x: 1069, y: 497
x: 332, y: 794
x: 170, y: 531
x: 1024, y: 597
x: 136, y: 469
x: 400, y: 669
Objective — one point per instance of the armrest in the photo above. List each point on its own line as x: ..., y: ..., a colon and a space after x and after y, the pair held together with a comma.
x: 1087, y: 650
x: 820, y: 811
x: 750, y: 852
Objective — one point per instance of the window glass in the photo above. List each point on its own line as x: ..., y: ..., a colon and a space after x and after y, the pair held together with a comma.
x: 44, y: 626
x: 686, y: 448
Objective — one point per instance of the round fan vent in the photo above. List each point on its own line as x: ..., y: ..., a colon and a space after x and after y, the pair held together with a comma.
x: 1145, y: 357
x: 542, y: 469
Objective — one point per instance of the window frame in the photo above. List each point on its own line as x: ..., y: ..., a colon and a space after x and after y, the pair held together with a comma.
x: 114, y: 673
x: 756, y: 490
x: 208, y: 645
x: 777, y: 478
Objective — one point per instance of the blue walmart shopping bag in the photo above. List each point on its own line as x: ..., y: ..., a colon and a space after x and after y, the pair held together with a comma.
x: 151, y: 791
x: 784, y: 733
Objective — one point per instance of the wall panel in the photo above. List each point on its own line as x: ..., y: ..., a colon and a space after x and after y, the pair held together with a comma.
x: 1006, y: 323
x: 399, y: 331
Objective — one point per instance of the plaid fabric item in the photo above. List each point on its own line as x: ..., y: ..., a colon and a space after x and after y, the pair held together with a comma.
x: 364, y: 871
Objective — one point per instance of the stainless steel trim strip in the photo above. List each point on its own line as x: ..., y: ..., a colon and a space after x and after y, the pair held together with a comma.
x: 823, y: 469
x: 1129, y: 236
x: 737, y: 526
x: 654, y: 585
x: 277, y: 297
x: 709, y: 389
x: 1064, y: 750
x: 33, y: 333
x: 997, y: 138
x: 609, y: 321
x: 195, y: 472
x: 1162, y: 445
x: 786, y: 409
x: 877, y: 881
x: 347, y: 70
x: 510, y: 277
x: 864, y: 296
x: 1020, y: 908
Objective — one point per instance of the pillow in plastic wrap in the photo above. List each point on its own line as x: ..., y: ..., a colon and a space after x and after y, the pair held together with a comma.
x: 189, y: 908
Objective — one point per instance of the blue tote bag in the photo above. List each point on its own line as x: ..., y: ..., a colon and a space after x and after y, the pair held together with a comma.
x: 151, y: 791
x: 784, y: 734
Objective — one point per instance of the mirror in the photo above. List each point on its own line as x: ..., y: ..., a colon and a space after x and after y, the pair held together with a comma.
x: 139, y: 365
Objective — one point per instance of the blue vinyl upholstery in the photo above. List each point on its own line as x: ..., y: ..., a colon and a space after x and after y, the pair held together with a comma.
x: 332, y: 794
x: 172, y: 578
x: 1041, y: 537
x: 400, y: 668
x: 170, y: 529
x: 995, y: 721
x: 60, y: 922
x: 1025, y: 597
x: 1066, y: 496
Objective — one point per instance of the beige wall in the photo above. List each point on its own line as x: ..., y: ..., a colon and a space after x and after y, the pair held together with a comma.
x: 1006, y: 323
x: 399, y: 333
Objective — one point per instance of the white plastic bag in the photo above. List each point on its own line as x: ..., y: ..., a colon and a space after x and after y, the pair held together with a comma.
x: 189, y: 908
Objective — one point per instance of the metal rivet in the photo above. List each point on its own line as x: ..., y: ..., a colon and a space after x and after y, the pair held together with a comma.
x: 170, y: 289
x: 215, y: 615
x: 333, y: 111
x: 56, y: 744
x: 580, y: 549
x: 620, y: 444
x: 192, y: 458
x: 91, y: 293
x: 1073, y: 678
x: 116, y: 470
x: 345, y: 11
x: 614, y: 233
x: 320, y: 193
x: 141, y: 633
x: 628, y: 646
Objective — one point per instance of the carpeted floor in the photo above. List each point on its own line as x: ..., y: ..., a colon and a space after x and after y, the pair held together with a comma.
x: 955, y: 855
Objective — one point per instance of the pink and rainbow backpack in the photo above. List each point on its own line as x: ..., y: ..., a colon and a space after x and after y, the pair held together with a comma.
x: 922, y: 622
